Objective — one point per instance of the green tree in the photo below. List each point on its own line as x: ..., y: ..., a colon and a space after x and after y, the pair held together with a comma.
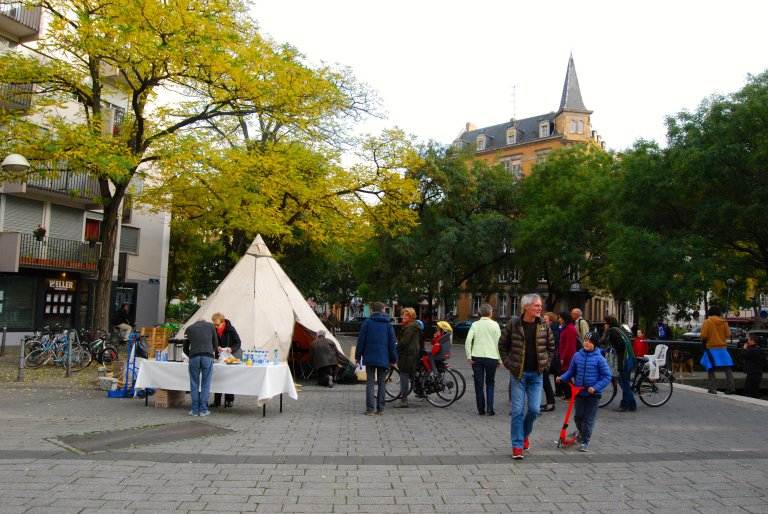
x: 561, y: 220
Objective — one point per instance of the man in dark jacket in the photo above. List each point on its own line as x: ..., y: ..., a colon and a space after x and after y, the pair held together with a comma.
x: 660, y: 331
x: 526, y: 347
x: 324, y: 359
x: 376, y: 347
x: 200, y: 346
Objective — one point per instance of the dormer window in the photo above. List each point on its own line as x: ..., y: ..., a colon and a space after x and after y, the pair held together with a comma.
x: 544, y: 129
x: 511, y: 136
x: 480, y: 143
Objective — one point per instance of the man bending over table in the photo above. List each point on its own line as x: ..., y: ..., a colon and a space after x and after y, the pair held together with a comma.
x: 200, y: 345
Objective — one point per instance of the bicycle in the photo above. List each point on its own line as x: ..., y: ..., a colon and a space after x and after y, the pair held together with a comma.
x: 98, y: 343
x: 440, y: 388
x: 652, y: 392
x: 56, y: 349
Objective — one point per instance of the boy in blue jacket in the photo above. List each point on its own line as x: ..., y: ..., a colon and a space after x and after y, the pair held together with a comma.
x: 589, y: 370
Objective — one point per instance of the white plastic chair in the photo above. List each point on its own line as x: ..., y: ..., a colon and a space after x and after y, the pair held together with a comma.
x: 655, y: 361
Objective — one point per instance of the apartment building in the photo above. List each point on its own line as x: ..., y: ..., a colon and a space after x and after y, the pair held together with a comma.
x: 49, y: 278
x: 518, y: 144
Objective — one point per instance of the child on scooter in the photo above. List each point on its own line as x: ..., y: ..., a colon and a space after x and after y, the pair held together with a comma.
x: 589, y: 370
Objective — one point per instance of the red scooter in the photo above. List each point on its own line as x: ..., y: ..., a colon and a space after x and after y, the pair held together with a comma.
x: 566, y: 440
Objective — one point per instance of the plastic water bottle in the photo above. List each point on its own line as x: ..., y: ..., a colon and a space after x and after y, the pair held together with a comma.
x: 277, y: 360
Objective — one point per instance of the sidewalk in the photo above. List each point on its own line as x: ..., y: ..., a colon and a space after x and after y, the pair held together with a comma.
x: 698, y: 453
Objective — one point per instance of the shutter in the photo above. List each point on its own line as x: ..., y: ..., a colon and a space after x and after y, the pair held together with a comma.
x: 66, y: 223
x: 22, y: 214
x: 129, y: 240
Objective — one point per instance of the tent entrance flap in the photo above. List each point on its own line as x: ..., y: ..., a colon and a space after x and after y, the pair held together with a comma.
x: 298, y: 358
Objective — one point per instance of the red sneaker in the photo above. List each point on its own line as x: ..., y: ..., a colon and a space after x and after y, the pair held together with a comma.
x: 526, y: 444
x: 517, y: 453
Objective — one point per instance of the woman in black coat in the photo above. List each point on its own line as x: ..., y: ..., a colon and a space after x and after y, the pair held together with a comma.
x: 228, y: 338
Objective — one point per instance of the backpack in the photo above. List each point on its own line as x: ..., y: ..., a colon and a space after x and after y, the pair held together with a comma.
x: 579, y: 341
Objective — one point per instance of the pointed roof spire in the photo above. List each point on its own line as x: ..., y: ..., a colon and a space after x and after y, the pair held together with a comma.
x: 571, y: 100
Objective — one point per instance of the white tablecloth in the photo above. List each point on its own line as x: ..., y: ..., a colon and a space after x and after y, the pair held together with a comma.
x: 263, y: 382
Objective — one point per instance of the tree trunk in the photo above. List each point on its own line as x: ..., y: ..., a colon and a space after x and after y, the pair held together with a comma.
x: 109, y: 228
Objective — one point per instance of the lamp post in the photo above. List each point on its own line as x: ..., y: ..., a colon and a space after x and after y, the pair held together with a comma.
x: 730, y: 283
x: 15, y: 163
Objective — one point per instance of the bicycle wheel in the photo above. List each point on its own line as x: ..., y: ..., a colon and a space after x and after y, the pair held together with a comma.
x: 461, y: 382
x: 107, y: 355
x: 655, y: 393
x: 393, y: 385
x: 36, y: 358
x: 441, y: 389
x: 81, y: 359
x: 609, y: 393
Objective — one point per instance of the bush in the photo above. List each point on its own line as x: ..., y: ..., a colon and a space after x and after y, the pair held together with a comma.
x: 180, y: 312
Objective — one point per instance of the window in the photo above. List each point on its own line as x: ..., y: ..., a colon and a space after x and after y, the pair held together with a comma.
x: 544, y: 129
x: 502, y: 307
x: 129, y: 240
x: 476, y: 301
x: 511, y: 136
x: 514, y: 305
x: 541, y: 156
x: 506, y: 163
x: 127, y: 209
x: 581, y: 126
x: 17, y: 301
x: 510, y: 275
x: 573, y: 126
x: 480, y: 143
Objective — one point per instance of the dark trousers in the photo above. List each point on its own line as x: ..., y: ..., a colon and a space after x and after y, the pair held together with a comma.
x: 227, y: 398
x: 548, y: 392
x: 484, y: 372
x: 752, y: 385
x: 585, y: 412
x: 326, y: 375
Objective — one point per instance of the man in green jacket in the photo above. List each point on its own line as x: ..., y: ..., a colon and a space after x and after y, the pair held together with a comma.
x: 482, y: 347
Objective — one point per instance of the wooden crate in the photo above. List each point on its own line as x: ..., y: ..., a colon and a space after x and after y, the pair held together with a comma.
x: 157, y: 338
x: 165, y: 398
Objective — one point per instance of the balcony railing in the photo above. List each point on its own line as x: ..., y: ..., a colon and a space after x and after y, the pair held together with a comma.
x: 58, y: 254
x: 68, y: 182
x: 16, y: 96
x: 23, y: 14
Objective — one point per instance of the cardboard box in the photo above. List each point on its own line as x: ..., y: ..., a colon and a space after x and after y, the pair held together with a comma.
x: 165, y: 398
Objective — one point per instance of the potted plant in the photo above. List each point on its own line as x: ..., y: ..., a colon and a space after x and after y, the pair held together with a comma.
x: 39, y: 233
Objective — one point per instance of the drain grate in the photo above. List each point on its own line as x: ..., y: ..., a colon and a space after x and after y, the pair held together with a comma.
x: 139, y: 436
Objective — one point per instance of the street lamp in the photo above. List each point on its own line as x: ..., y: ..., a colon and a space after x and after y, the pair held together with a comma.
x: 15, y: 163
x: 730, y: 283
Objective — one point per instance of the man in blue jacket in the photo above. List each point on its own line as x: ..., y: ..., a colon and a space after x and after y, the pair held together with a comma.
x: 376, y: 347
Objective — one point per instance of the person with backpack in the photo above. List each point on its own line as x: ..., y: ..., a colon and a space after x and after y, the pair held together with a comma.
x: 568, y: 346
x: 582, y: 327
x: 625, y: 357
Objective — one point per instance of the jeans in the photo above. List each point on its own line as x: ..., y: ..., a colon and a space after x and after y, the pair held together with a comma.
x: 484, y: 370
x: 528, y: 388
x: 199, y: 391
x: 627, y: 397
x: 585, y: 412
x: 729, y: 384
x: 378, y: 400
x: 405, y: 384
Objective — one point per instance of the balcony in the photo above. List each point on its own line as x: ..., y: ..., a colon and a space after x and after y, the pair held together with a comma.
x: 20, y: 20
x: 58, y: 254
x: 16, y: 97
x: 74, y: 185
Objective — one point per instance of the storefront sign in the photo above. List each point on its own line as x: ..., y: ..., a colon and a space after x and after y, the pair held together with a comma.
x: 61, y: 285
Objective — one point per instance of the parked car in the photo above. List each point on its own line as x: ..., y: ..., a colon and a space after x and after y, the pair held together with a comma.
x: 460, y: 330
x: 738, y: 335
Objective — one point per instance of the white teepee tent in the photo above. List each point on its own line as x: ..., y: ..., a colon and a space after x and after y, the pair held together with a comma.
x: 263, y: 304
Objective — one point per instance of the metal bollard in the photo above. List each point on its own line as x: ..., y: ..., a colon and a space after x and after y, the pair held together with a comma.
x: 2, y: 346
x: 20, y: 378
x: 69, y: 357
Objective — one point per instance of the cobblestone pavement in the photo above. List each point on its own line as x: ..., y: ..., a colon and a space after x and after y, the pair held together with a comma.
x: 699, y: 453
